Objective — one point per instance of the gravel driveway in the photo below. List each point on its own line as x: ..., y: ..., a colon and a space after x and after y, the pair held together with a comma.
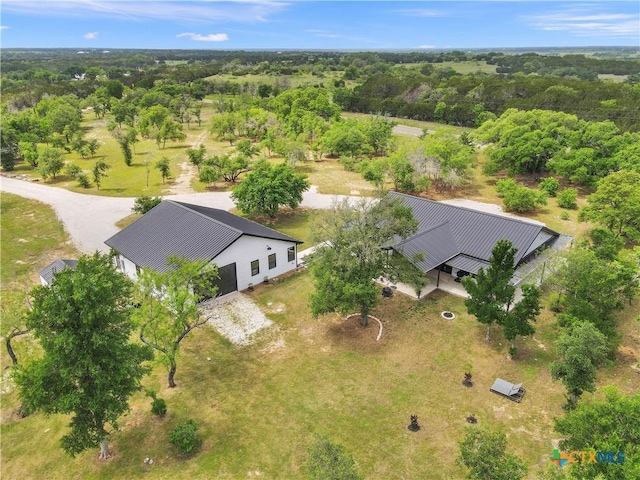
x: 90, y: 219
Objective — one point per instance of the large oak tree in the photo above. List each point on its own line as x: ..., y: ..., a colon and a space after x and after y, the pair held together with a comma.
x: 89, y: 367
x: 345, y: 266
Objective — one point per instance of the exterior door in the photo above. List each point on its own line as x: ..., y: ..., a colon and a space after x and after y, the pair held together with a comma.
x: 228, y: 281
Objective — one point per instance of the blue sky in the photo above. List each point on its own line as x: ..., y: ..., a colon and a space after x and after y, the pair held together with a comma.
x: 272, y: 24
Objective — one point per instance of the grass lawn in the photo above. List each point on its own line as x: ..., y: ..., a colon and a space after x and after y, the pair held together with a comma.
x: 32, y: 237
x: 296, y: 223
x: 259, y: 406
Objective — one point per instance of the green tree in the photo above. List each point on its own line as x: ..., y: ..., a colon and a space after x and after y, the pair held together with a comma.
x: 168, y: 309
x: 616, y: 204
x: 269, y: 187
x: 593, y: 289
x: 524, y: 141
x: 224, y: 126
x: 484, y: 453
x: 196, y: 156
x: 29, y: 152
x: 345, y: 266
x: 346, y: 139
x: 227, y: 167
x: 144, y: 203
x: 169, y: 130
x: 164, y: 167
x: 518, y: 321
x: 491, y: 291
x: 608, y: 425
x: 582, y: 349
x: 50, y: 162
x: 328, y: 460
x: 99, y: 172
x: 89, y: 368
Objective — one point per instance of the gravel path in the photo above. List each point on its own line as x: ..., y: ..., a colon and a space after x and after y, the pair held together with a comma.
x: 236, y: 317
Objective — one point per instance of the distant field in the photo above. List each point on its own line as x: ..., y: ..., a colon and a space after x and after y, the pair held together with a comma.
x: 292, y: 81
x: 612, y: 77
x: 468, y: 67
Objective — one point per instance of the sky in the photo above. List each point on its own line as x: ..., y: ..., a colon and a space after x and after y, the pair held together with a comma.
x: 359, y: 25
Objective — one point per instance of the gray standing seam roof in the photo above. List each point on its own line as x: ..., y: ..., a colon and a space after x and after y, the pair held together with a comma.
x: 192, y: 231
x: 436, y: 244
x: 48, y: 272
x: 475, y: 233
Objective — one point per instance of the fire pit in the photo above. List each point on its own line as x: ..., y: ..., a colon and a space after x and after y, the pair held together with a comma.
x: 447, y: 315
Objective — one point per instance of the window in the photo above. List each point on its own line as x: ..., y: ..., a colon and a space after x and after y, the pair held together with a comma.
x: 291, y: 254
x: 272, y: 261
x: 255, y: 267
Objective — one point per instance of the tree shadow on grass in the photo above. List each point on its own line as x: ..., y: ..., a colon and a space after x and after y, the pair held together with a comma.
x: 116, y: 190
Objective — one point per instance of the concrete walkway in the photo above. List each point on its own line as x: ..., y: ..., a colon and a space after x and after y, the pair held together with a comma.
x: 90, y: 219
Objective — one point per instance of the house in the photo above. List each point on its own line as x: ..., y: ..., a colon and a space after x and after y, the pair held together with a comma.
x: 48, y: 272
x: 458, y: 241
x: 244, y: 251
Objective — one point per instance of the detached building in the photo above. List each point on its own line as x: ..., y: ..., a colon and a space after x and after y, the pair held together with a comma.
x: 244, y: 251
x: 50, y: 271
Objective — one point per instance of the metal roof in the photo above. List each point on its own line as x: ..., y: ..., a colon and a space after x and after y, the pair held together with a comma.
x: 468, y: 264
x: 192, y: 231
x: 242, y: 224
x: 505, y: 388
x: 475, y: 233
x: 48, y: 272
x: 435, y: 244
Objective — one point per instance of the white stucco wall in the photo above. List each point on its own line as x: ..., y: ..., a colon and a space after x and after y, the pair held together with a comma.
x: 246, y: 249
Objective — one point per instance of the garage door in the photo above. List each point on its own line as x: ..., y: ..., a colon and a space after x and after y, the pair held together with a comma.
x: 228, y: 282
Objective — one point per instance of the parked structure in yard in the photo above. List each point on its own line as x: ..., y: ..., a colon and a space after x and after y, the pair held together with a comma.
x: 48, y: 272
x: 458, y: 241
x: 245, y: 252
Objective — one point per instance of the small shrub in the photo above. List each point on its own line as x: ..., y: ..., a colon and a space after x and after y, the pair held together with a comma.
x: 184, y: 437
x: 568, y: 198
x: 327, y: 460
x: 158, y: 407
x: 565, y: 215
x: 72, y: 170
x: 549, y: 186
x: 505, y: 185
x: 522, y: 199
x: 144, y: 203
x: 555, y: 304
x: 350, y: 164
x: 83, y: 180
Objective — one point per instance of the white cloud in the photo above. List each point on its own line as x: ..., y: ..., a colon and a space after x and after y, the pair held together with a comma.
x: 245, y: 11
x: 422, y: 12
x: 91, y: 35
x: 211, y: 37
x: 427, y: 46
x: 3, y: 27
x: 582, y: 21
x: 327, y: 34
